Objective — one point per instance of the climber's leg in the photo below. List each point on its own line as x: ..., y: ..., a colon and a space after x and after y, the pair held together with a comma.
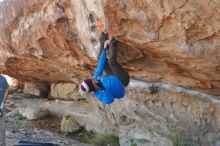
x: 116, y: 68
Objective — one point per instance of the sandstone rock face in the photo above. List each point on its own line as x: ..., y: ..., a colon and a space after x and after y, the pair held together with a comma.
x: 63, y: 91
x: 144, y: 118
x: 175, y: 42
x: 32, y: 112
x: 69, y: 124
x: 169, y: 41
x: 179, y: 39
x: 39, y: 89
x: 40, y: 40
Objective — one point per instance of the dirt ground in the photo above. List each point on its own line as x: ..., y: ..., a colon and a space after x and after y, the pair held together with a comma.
x: 42, y: 130
x: 52, y: 123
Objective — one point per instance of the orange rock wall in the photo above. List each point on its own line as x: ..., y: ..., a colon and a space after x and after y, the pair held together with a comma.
x: 173, y: 41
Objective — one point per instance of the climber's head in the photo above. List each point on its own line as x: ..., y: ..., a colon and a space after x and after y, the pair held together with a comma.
x: 87, y: 85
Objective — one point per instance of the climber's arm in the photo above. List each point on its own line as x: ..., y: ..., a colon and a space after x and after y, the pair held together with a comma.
x: 101, y: 64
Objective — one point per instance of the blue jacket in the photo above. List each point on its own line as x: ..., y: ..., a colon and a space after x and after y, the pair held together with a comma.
x: 113, y: 86
x: 3, y: 87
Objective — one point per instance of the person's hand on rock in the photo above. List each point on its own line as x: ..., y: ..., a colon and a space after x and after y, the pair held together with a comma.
x: 106, y: 43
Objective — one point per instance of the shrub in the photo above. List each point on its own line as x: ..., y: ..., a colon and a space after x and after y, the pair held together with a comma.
x: 177, y: 140
x: 21, y: 118
x: 105, y: 140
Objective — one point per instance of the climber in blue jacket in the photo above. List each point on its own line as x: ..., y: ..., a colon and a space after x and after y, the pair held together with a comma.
x: 111, y: 86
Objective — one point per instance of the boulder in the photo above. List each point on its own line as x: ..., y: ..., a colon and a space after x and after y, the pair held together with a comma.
x: 65, y: 91
x: 33, y: 113
x: 69, y: 124
x: 40, y: 89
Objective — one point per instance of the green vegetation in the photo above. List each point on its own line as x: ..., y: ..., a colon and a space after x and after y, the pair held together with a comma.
x: 104, y: 140
x: 19, y: 121
x: 21, y: 118
x: 134, y: 144
x: 177, y: 140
